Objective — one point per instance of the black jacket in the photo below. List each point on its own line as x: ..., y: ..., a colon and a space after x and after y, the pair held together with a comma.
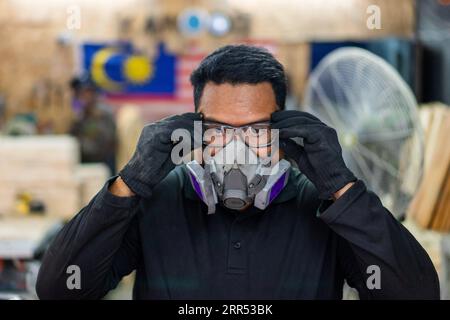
x: 298, y: 248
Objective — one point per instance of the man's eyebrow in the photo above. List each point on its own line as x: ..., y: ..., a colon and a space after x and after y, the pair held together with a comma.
x: 210, y: 119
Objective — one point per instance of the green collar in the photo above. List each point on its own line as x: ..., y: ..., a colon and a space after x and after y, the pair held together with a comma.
x: 289, y: 191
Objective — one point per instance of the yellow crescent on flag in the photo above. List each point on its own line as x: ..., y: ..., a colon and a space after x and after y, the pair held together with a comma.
x: 98, y: 72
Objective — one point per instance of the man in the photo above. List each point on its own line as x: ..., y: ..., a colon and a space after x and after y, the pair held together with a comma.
x: 315, y: 231
x: 94, y: 126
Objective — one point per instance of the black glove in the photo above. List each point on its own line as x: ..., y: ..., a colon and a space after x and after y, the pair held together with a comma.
x: 320, y: 158
x: 152, y: 161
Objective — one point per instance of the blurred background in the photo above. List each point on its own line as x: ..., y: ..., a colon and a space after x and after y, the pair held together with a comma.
x: 79, y: 79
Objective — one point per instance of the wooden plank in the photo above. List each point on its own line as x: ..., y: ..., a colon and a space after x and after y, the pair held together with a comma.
x: 441, y: 210
x: 436, y: 164
x: 443, y: 207
x: 446, y: 206
x: 440, y: 215
x: 426, y: 117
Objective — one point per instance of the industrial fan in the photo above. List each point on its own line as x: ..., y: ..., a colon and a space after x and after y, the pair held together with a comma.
x: 376, y: 117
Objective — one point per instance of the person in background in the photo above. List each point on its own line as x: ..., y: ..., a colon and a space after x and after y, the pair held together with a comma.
x: 94, y: 126
x: 75, y: 91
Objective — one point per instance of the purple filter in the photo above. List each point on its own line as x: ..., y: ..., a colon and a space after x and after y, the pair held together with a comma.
x: 277, y: 187
x: 196, y: 186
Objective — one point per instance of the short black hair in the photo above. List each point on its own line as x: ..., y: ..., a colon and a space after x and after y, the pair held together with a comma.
x: 239, y: 64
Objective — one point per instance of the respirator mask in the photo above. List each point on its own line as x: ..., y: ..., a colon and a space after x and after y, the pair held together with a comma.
x: 239, y: 167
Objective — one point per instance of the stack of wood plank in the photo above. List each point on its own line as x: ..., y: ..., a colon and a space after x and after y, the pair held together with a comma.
x: 43, y: 167
x: 48, y: 169
x: 430, y: 207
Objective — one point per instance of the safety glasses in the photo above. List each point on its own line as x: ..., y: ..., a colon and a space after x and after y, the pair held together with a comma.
x: 255, y: 135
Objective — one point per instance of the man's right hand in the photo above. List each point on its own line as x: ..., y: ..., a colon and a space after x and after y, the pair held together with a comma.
x: 151, y: 161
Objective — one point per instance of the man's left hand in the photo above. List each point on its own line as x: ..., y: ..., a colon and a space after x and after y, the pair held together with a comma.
x: 320, y: 157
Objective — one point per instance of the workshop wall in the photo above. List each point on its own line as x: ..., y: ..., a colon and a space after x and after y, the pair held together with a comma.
x: 39, y: 50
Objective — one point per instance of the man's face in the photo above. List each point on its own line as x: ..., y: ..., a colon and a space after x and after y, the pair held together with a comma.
x: 238, y: 105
